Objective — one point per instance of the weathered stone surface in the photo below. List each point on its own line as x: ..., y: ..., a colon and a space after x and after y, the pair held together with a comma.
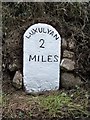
x: 71, y: 44
x: 68, y: 80
x: 3, y: 67
x: 68, y: 54
x: 67, y: 64
x: 17, y: 80
x: 64, y: 43
x: 12, y: 67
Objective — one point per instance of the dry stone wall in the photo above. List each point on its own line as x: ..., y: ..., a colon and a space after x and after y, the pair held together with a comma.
x: 71, y: 20
x: 14, y: 55
x: 68, y: 77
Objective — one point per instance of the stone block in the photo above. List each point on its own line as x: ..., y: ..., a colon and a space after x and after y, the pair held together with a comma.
x: 68, y: 54
x: 67, y: 64
x: 71, y: 45
x: 64, y: 43
x: 69, y: 81
x: 12, y: 67
x: 17, y: 80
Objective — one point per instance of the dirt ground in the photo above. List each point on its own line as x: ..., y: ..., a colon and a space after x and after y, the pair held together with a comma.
x: 54, y: 105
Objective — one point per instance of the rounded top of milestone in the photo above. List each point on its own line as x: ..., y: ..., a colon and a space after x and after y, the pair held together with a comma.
x: 41, y: 28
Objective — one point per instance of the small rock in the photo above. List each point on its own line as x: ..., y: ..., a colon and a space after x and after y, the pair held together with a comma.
x: 12, y: 67
x: 68, y: 81
x: 3, y: 67
x: 64, y: 43
x: 17, y: 80
x: 68, y: 54
x: 67, y: 64
x: 71, y: 45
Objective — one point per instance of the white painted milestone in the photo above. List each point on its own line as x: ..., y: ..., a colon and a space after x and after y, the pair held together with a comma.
x: 41, y: 58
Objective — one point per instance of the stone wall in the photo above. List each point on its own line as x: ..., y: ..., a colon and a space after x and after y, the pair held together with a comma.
x: 13, y: 48
x: 68, y: 77
x: 70, y: 20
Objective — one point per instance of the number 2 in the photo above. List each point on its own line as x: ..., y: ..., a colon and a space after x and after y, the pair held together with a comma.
x: 42, y: 43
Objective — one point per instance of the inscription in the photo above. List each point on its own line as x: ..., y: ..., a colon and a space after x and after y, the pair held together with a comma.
x: 42, y: 43
x: 42, y: 30
x: 42, y: 58
x: 41, y: 62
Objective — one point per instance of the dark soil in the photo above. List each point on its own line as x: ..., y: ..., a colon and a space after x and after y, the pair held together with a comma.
x: 55, y: 105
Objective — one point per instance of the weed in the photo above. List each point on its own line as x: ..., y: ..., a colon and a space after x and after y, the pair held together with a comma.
x: 62, y: 104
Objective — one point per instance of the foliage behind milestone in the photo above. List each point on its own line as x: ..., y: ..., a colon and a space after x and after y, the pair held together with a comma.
x: 74, y: 22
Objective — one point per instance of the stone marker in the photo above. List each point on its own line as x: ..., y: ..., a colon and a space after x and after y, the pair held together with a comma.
x: 41, y: 59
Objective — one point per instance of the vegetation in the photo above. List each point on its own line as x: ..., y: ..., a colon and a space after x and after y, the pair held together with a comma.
x: 61, y: 104
x: 73, y: 23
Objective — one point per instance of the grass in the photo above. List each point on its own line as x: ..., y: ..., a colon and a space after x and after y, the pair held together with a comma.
x: 4, y: 99
x: 70, y: 104
x: 62, y: 105
x: 55, y: 102
x: 0, y: 99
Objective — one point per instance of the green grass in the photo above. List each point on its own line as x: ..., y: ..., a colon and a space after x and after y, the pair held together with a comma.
x: 62, y: 104
x: 3, y: 99
x: 70, y: 104
x: 0, y: 99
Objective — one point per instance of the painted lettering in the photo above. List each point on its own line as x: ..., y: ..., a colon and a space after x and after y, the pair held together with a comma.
x: 55, y: 58
x: 32, y: 58
x: 44, y: 30
x: 43, y: 60
x: 48, y: 31
x: 35, y: 30
x: 52, y: 33
x: 56, y: 36
x: 40, y: 30
x: 49, y: 58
